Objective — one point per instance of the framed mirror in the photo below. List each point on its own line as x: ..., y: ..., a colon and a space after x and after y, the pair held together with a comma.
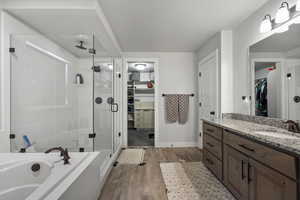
x: 275, y: 75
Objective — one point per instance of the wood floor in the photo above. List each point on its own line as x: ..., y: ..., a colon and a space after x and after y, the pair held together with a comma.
x: 131, y: 182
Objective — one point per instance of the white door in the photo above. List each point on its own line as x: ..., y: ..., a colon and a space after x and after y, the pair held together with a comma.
x: 294, y: 93
x: 208, y: 89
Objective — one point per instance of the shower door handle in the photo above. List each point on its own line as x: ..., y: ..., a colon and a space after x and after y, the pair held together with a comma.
x: 114, y: 105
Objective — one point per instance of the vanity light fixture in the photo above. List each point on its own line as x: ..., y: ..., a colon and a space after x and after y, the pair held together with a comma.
x: 282, y: 28
x: 266, y: 24
x: 283, y: 14
x: 297, y: 19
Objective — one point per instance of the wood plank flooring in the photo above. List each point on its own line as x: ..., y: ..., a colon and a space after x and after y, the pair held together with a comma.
x: 131, y: 182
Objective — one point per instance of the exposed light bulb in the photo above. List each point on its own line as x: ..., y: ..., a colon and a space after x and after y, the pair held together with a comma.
x: 283, y: 14
x: 298, y: 5
x: 266, y: 24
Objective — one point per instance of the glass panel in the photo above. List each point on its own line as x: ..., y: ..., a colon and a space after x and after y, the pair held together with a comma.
x: 104, y: 106
x: 50, y: 101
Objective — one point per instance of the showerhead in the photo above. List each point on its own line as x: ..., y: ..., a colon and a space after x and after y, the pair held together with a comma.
x: 80, y: 45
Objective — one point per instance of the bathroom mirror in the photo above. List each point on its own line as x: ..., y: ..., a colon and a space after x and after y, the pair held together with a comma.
x: 275, y: 75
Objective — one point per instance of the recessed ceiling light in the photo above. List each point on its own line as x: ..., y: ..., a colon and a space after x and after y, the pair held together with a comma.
x: 140, y: 67
x: 266, y: 24
x: 283, y: 14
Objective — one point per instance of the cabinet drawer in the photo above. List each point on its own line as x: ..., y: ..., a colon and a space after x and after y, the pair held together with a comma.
x: 214, y: 131
x: 213, y: 164
x: 213, y: 145
x: 280, y: 161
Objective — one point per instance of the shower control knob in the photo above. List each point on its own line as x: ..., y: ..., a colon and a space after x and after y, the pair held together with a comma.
x: 98, y: 100
x: 297, y: 99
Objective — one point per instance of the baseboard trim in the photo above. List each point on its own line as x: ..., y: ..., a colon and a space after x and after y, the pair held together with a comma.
x: 178, y: 144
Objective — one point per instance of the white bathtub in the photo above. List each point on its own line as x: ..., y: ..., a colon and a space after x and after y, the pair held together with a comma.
x: 53, y: 180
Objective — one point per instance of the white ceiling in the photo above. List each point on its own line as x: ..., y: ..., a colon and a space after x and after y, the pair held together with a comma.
x: 281, y: 42
x: 173, y: 25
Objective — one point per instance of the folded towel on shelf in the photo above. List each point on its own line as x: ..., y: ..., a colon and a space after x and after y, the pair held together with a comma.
x: 183, y: 108
x: 171, y: 102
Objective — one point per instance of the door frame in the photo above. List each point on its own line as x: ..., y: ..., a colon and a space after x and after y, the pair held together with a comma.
x: 125, y: 98
x: 213, y: 55
x: 284, y: 109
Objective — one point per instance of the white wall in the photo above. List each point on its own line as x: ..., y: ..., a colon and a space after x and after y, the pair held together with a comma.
x: 246, y: 34
x: 177, y: 74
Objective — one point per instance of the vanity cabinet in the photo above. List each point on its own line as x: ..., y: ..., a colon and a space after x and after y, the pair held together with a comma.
x: 266, y: 183
x: 213, y: 153
x: 236, y: 173
x: 250, y: 170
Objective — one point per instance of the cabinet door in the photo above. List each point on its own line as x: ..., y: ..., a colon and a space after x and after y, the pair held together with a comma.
x: 266, y: 183
x: 235, y: 172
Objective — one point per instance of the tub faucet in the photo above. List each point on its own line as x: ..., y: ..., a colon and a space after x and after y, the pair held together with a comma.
x: 293, y: 126
x: 63, y: 152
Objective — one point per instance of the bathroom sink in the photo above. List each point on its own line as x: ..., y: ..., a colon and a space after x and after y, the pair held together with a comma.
x: 276, y: 134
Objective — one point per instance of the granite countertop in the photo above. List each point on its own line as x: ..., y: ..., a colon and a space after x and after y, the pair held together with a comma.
x: 272, y: 136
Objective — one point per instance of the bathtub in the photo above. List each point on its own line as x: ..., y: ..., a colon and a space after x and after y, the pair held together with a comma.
x: 39, y: 176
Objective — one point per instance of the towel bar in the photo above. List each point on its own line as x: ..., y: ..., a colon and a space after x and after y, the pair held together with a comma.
x: 189, y: 95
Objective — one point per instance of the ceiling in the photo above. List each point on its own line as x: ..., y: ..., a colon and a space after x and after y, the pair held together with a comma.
x: 173, y: 25
x: 65, y: 27
x: 281, y: 42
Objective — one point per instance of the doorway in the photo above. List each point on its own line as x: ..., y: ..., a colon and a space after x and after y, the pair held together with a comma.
x: 140, y: 104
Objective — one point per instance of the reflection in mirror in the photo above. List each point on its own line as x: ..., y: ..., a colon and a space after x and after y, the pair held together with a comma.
x: 275, y: 75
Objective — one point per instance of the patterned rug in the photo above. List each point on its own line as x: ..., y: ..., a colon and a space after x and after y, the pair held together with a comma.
x: 131, y: 156
x: 192, y: 181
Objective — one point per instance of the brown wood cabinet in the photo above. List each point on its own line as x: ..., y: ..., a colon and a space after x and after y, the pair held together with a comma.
x: 235, y: 172
x: 265, y: 183
x: 251, y: 171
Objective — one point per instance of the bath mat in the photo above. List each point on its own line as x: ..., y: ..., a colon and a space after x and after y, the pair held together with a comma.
x: 131, y: 156
x: 192, y: 181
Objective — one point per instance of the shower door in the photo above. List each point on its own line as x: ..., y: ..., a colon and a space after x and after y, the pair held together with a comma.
x: 104, y: 106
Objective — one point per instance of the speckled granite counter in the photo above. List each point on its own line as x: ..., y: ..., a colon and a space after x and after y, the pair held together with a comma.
x: 290, y: 144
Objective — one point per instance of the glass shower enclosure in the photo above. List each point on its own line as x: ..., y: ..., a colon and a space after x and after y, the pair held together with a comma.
x: 63, y: 94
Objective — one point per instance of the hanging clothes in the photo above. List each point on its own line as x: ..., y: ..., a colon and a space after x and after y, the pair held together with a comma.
x: 261, y: 93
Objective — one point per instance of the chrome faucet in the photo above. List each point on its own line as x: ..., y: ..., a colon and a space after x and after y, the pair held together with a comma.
x: 293, y: 126
x: 63, y: 152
